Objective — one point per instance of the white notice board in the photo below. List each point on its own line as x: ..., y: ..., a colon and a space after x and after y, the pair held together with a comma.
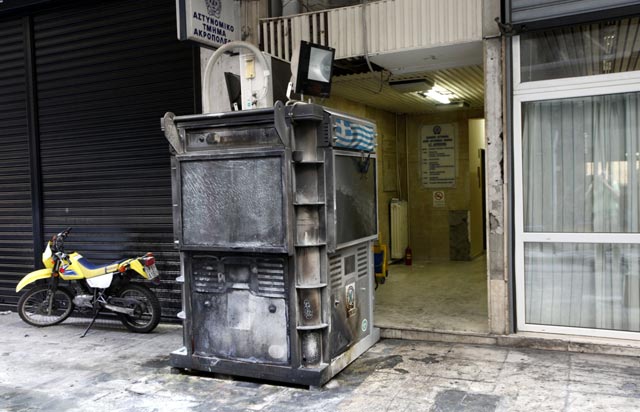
x: 438, y: 155
x: 209, y: 22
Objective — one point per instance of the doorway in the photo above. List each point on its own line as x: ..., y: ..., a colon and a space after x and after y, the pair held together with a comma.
x: 445, y: 287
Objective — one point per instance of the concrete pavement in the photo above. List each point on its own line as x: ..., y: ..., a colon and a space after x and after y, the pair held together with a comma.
x: 52, y: 369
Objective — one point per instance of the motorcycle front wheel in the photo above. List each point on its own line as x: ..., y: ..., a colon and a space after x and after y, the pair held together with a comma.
x: 39, y: 307
x: 146, y: 310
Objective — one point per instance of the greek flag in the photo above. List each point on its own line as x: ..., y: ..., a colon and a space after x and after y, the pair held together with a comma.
x: 354, y: 135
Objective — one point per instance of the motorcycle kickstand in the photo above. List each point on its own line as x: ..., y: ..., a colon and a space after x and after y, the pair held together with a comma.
x: 92, y: 322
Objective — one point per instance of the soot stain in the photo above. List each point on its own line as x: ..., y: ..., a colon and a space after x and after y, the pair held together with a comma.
x: 156, y: 363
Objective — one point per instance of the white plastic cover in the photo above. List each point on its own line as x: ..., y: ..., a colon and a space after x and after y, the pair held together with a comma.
x: 100, y: 282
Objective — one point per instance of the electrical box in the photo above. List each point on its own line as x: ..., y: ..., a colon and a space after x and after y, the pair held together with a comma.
x: 274, y: 216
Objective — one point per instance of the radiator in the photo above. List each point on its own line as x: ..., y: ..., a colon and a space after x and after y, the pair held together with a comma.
x: 399, y: 228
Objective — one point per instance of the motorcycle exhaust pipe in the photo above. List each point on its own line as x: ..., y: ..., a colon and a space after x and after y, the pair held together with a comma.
x: 119, y: 309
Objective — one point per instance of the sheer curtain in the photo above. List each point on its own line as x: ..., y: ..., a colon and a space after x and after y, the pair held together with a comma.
x: 581, y: 175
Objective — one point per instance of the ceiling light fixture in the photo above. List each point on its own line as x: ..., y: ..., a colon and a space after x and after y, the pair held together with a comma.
x: 439, y: 94
x: 438, y: 97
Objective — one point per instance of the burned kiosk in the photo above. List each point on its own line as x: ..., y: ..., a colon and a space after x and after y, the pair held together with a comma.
x: 274, y: 217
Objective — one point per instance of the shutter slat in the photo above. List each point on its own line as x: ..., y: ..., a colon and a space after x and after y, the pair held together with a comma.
x: 16, y: 233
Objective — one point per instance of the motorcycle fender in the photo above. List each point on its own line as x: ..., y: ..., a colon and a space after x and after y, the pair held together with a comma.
x: 32, y: 277
x: 137, y: 266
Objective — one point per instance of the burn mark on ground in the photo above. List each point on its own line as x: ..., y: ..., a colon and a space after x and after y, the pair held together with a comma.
x: 427, y: 359
x: 378, y: 363
x: 368, y: 364
x: 157, y: 363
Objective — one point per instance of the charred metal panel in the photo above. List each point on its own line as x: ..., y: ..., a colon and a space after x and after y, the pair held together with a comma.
x: 224, y: 205
x: 239, y: 325
x: 238, y: 308
x: 208, y: 139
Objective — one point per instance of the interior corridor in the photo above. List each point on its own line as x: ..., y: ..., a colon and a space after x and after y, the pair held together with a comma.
x: 440, y: 296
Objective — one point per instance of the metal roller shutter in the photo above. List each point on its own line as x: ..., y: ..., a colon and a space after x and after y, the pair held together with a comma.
x: 107, y: 71
x: 538, y: 14
x: 16, y: 240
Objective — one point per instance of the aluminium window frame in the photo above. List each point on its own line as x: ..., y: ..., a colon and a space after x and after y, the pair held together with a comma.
x: 570, y: 87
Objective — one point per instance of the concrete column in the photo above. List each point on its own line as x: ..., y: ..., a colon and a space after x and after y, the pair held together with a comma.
x: 497, y: 194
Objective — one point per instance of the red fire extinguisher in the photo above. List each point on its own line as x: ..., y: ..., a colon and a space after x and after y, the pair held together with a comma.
x: 408, y: 257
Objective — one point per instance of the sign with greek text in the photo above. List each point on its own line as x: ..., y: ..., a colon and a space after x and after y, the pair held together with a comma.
x: 210, y: 22
x: 438, y: 156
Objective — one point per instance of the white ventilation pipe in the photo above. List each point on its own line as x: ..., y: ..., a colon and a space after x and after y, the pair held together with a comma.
x: 206, y: 98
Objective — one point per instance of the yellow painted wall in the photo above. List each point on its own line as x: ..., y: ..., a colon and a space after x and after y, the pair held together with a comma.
x: 476, y: 142
x: 429, y: 225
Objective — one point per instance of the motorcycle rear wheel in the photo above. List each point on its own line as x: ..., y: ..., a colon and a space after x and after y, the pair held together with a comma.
x: 33, y: 306
x: 147, y: 310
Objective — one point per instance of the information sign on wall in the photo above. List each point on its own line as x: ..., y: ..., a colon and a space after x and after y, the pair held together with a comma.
x: 210, y: 22
x: 438, y: 156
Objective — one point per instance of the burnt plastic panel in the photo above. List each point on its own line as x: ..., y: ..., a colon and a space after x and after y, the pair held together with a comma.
x: 225, y: 205
x: 355, y: 188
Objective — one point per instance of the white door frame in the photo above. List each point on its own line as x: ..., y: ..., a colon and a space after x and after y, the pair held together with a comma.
x: 546, y: 90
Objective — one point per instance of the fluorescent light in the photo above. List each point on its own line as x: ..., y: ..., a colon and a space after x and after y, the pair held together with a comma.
x: 439, y: 94
x: 438, y: 97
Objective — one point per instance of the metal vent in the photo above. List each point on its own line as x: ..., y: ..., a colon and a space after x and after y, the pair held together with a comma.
x: 326, y: 134
x: 206, y: 281
x: 362, y: 260
x: 335, y: 270
x: 271, y: 278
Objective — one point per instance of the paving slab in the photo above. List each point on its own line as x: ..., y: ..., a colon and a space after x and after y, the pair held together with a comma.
x: 111, y: 369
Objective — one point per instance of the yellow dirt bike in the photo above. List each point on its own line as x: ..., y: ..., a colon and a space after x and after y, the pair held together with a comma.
x: 92, y: 289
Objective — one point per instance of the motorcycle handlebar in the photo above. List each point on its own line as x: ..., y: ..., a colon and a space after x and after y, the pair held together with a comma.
x: 58, y: 240
x: 64, y: 233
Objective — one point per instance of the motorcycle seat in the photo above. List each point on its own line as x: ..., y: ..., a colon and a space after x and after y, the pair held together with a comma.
x: 94, y: 270
x: 84, y: 262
